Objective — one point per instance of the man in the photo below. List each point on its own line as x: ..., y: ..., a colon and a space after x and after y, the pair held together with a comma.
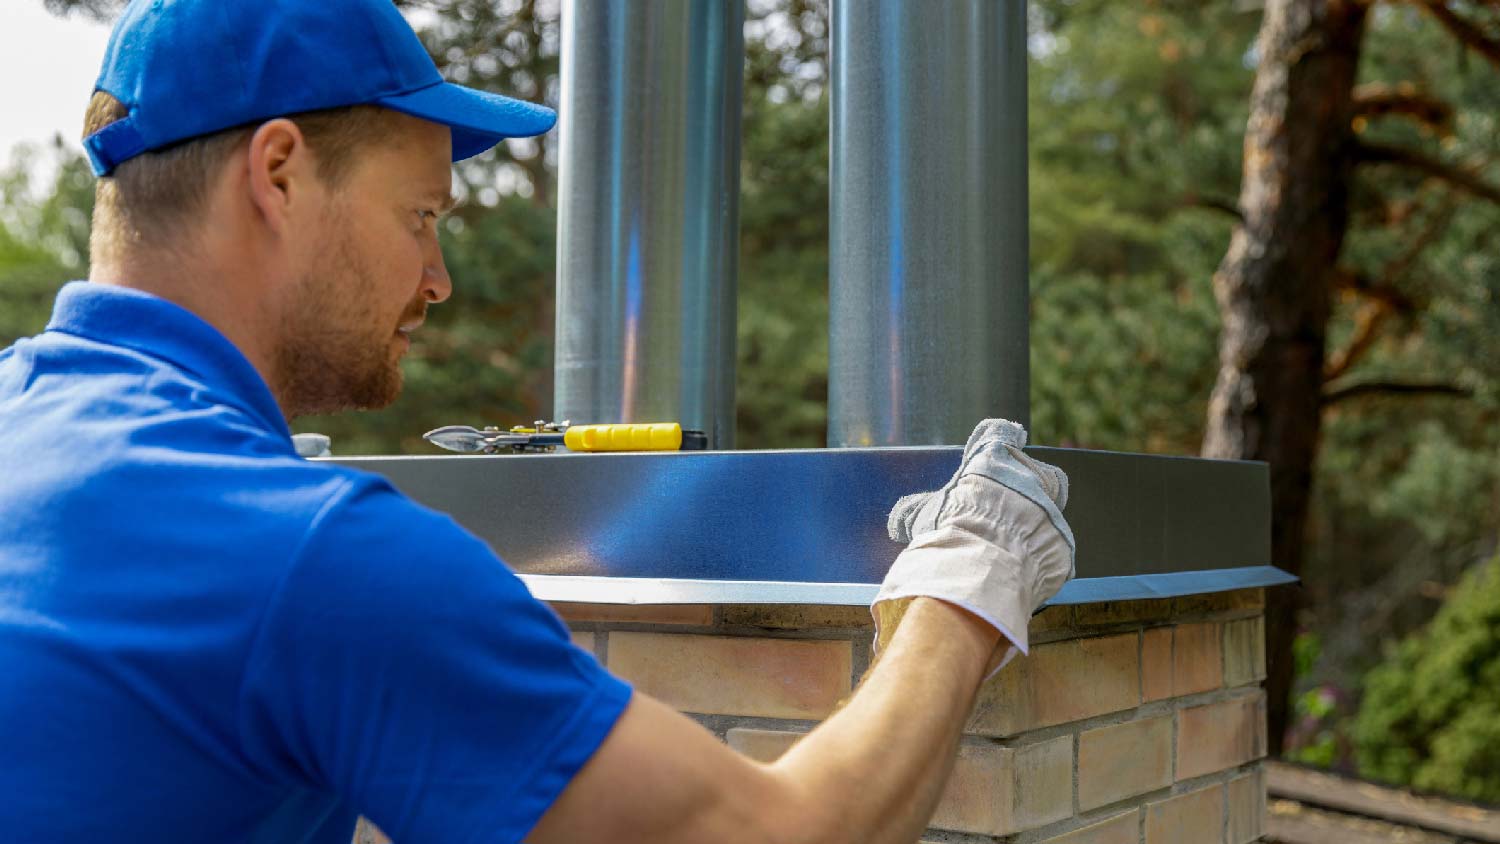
x: 206, y: 638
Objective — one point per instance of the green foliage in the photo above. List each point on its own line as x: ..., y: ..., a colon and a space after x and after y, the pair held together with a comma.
x: 29, y: 279
x: 1135, y: 118
x: 1441, y: 475
x: 782, y: 346
x: 43, y: 235
x: 1318, y: 734
x: 1317, y: 714
x: 1431, y: 713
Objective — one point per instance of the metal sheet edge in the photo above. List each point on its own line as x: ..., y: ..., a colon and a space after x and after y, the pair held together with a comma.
x: 647, y: 590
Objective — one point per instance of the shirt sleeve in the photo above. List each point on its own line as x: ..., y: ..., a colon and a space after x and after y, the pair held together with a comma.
x: 402, y: 666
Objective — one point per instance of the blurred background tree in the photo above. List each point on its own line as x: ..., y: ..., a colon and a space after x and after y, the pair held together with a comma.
x: 1137, y: 126
x: 1431, y: 713
x: 1329, y: 137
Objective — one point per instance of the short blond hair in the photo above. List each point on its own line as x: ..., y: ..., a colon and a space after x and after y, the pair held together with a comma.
x: 151, y: 199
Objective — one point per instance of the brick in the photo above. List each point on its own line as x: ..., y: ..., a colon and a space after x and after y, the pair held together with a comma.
x: 1196, y: 817
x: 1156, y: 664
x: 1120, y: 829
x: 1043, y: 782
x: 1181, y: 660
x: 583, y: 640
x: 999, y: 790
x: 1217, y: 602
x: 698, y: 615
x: 1121, y: 612
x: 1247, y: 599
x: 993, y: 790
x: 730, y: 675
x: 1219, y: 736
x: 1058, y: 683
x: 797, y: 616
x: 1247, y: 808
x: 1197, y: 659
x: 1245, y: 651
x: 1051, y: 620
x: 1124, y: 760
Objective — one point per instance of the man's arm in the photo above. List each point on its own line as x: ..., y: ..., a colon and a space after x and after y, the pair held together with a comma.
x: 873, y: 772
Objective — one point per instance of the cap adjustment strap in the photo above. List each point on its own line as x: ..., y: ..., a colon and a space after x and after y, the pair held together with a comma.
x: 115, y: 143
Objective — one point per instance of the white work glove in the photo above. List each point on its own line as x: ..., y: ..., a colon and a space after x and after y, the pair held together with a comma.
x: 992, y: 541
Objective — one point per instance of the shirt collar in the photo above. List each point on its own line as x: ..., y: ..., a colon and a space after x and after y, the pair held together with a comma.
x: 151, y: 325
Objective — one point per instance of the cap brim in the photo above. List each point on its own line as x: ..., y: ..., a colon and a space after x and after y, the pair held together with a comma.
x: 479, y: 119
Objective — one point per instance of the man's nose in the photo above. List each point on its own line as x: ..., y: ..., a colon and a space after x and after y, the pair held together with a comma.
x: 436, y: 285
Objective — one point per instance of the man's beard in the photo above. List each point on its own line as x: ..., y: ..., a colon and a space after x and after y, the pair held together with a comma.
x: 335, y: 352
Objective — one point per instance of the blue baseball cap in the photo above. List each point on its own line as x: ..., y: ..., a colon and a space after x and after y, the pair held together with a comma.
x: 186, y: 68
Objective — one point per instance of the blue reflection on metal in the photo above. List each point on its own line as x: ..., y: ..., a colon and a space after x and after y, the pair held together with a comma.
x: 616, y: 224
x: 1168, y: 585
x: 758, y: 519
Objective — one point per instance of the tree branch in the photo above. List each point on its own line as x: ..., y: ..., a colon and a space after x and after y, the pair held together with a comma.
x: 1378, y: 99
x: 1465, y: 180
x: 1464, y: 30
x: 1224, y: 206
x: 1384, y: 297
x: 1381, y: 291
x: 1397, y: 268
x: 1367, y: 322
x: 1394, y: 388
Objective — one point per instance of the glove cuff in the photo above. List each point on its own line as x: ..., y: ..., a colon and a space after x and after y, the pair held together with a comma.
x: 956, y: 566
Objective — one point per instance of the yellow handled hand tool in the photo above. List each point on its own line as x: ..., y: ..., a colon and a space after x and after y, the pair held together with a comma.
x: 547, y: 436
x: 659, y: 436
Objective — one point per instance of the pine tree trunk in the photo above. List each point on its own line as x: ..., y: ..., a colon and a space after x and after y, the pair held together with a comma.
x: 1274, y: 285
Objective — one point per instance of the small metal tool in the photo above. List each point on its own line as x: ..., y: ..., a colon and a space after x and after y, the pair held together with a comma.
x: 544, y: 437
x: 541, y: 437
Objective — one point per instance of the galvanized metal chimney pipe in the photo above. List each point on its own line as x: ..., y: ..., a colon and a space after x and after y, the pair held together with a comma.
x: 928, y: 303
x: 648, y: 212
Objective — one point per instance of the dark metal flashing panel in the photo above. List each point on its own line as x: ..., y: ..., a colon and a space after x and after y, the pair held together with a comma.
x: 817, y: 518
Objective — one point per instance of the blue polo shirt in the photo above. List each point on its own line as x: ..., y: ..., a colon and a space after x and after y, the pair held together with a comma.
x: 204, y: 637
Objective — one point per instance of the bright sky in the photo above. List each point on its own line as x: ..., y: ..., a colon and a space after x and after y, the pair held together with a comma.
x: 47, y: 70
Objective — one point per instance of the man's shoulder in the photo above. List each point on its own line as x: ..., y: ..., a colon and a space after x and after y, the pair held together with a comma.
x: 158, y: 459
x: 320, y: 507
x: 370, y: 524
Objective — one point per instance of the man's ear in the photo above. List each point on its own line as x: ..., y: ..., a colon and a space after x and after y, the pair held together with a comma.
x: 282, y: 171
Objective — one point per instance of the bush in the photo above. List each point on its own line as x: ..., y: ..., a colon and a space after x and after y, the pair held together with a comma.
x: 1431, y: 713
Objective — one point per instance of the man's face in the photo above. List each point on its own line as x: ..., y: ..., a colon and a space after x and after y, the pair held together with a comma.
x: 373, y: 268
